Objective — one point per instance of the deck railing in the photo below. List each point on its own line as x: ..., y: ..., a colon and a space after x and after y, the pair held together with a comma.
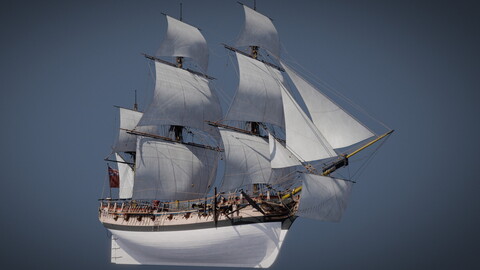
x: 156, y: 207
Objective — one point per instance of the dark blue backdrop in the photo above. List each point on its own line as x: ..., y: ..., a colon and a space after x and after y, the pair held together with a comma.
x: 412, y: 64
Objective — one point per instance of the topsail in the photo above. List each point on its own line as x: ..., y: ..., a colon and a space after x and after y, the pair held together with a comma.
x: 259, y: 31
x: 258, y: 97
x: 181, y: 98
x: 128, y: 120
x: 184, y: 40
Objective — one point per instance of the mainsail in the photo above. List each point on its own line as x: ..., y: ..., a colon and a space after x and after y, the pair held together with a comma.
x: 247, y: 160
x: 173, y: 171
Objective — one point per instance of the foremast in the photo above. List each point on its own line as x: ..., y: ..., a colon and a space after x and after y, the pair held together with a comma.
x: 314, y: 131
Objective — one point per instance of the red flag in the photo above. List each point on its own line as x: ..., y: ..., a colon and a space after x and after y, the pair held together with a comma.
x: 114, y: 178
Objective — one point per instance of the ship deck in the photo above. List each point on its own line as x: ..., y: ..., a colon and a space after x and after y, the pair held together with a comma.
x: 155, y: 216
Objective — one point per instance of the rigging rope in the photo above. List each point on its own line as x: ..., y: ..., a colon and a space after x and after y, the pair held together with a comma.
x: 369, y: 159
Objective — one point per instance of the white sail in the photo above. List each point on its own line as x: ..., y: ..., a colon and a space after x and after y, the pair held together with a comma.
x: 258, y: 97
x: 186, y: 41
x: 181, y: 98
x: 126, y: 178
x: 323, y: 198
x: 250, y: 245
x: 172, y: 171
x: 247, y: 160
x: 128, y: 120
x: 259, y: 31
x: 337, y: 126
x: 302, y: 137
x: 280, y: 157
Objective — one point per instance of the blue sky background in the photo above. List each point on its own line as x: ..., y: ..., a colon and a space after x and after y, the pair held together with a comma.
x: 412, y: 64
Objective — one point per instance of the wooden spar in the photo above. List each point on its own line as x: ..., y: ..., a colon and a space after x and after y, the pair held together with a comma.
x: 253, y: 203
x: 135, y: 105
x: 179, y: 61
x: 181, y: 9
x: 370, y: 143
x: 216, y: 124
x: 129, y: 163
x: 215, y: 217
x: 331, y: 169
x: 158, y: 60
x: 120, y: 107
x: 134, y: 132
x: 254, y: 53
x: 248, y: 55
x: 153, y: 58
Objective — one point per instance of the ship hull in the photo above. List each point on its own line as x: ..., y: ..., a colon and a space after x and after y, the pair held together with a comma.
x: 247, y: 245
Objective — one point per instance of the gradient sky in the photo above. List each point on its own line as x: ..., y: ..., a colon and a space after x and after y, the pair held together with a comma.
x: 412, y: 64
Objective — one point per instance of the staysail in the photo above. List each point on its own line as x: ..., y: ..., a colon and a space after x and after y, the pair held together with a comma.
x: 338, y: 127
x: 173, y: 171
x: 184, y: 40
x: 302, y: 137
x: 280, y: 157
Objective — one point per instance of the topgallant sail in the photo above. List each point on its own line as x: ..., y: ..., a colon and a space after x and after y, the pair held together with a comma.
x: 169, y: 210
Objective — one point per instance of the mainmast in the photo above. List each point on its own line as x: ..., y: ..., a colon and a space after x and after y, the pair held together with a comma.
x: 254, y: 126
x: 254, y: 51
x: 257, y: 103
x: 178, y: 130
x: 135, y: 105
x: 173, y: 110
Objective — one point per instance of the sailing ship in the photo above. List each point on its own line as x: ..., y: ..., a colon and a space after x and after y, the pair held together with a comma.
x: 278, y: 149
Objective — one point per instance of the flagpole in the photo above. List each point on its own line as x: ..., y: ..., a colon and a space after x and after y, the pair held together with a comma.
x: 109, y: 186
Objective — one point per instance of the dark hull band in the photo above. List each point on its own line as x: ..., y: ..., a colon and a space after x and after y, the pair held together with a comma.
x: 286, y: 223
